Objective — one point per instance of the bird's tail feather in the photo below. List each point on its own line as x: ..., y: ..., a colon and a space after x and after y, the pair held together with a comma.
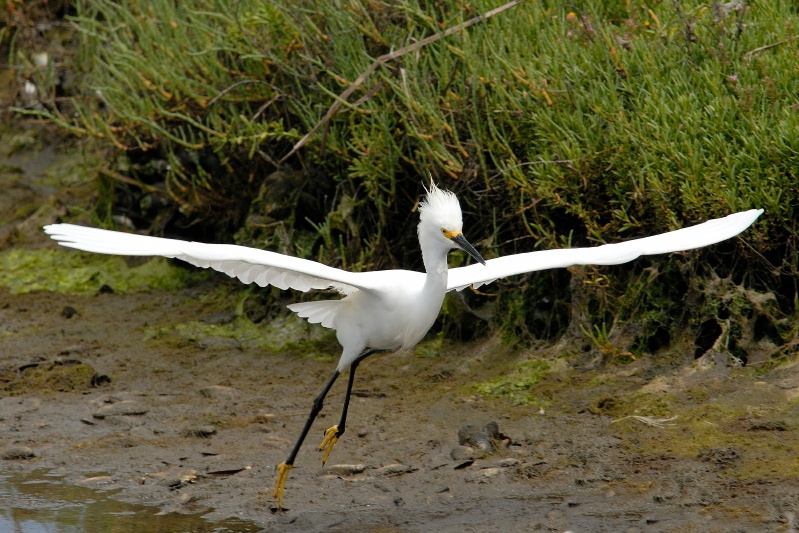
x: 321, y: 312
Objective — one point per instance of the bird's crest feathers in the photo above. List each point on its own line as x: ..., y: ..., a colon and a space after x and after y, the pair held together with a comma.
x: 441, y: 209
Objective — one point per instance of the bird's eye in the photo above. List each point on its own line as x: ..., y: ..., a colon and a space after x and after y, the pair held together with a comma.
x: 444, y: 232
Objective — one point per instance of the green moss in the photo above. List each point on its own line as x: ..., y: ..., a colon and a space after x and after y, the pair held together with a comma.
x: 659, y: 405
x: 518, y: 384
x: 284, y: 335
x: 24, y: 271
x: 742, y: 429
x: 431, y: 348
x: 46, y: 377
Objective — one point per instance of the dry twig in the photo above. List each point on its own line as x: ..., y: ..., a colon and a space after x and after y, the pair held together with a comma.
x: 385, y: 58
x: 649, y: 420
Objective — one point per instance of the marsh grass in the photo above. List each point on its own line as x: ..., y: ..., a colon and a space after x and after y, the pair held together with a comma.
x: 558, y: 123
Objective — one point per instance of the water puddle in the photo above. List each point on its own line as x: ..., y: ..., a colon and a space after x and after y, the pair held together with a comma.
x: 41, y: 503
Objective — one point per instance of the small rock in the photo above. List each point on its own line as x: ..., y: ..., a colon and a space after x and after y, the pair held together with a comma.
x: 98, y: 380
x: 381, y: 487
x: 68, y: 311
x: 462, y: 453
x: 483, y: 475
x: 490, y: 472
x: 263, y: 418
x: 176, y: 482
x: 125, y: 442
x: 202, y: 432
x: 344, y: 470
x: 394, y: 470
x: 769, y: 425
x: 502, y: 463
x: 485, y: 438
x: 219, y: 392
x: 13, y: 453
x: 122, y: 408
x: 72, y: 350
x: 228, y: 471
x: 97, y: 481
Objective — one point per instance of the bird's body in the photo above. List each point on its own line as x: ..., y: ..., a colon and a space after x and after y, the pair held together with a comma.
x: 390, y: 309
x: 387, y: 320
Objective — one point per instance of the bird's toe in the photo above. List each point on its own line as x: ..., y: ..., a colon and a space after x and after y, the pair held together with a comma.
x: 331, y: 438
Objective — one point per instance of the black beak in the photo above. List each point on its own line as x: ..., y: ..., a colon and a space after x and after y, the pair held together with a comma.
x: 464, y: 245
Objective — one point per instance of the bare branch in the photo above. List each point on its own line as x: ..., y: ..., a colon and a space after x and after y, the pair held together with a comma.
x: 385, y: 58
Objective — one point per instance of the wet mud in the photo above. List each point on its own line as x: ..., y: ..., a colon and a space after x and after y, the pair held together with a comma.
x: 197, y: 426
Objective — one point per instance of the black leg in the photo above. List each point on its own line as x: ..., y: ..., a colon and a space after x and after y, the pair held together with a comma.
x: 284, y: 467
x: 332, y: 434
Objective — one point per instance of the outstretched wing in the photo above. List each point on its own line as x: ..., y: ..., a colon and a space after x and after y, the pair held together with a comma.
x: 704, y: 234
x: 247, y: 264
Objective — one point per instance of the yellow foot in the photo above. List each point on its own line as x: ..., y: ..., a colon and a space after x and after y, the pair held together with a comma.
x: 331, y: 438
x: 280, y: 485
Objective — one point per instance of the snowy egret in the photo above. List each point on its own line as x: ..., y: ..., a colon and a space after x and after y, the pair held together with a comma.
x: 391, y: 309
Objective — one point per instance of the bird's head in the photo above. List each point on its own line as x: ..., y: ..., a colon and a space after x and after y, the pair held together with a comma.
x: 441, y: 219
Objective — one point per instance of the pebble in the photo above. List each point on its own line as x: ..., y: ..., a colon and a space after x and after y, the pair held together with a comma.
x: 98, y: 380
x: 483, y: 475
x: 122, y: 408
x: 12, y: 453
x: 97, y: 481
x: 202, y: 432
x: 219, y: 392
x: 462, y: 453
x: 176, y: 482
x: 480, y: 437
x: 502, y: 463
x: 394, y: 470
x: 344, y: 470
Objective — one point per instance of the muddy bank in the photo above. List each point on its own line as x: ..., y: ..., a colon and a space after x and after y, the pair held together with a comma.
x: 198, y: 424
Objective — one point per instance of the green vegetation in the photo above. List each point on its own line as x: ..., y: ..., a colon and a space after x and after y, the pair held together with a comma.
x: 518, y: 384
x: 23, y: 271
x: 279, y: 336
x: 47, y: 376
x: 558, y: 123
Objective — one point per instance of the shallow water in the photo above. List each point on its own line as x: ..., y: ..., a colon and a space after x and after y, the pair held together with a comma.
x: 41, y: 503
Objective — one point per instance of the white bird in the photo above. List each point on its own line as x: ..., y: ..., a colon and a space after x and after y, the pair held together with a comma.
x: 385, y: 310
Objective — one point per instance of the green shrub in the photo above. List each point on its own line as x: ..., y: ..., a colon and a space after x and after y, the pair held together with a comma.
x: 558, y: 123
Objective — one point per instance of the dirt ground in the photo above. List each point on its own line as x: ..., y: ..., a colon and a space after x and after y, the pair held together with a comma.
x: 198, y: 423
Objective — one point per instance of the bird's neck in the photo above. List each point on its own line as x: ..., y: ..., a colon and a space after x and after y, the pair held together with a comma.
x: 435, y: 264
